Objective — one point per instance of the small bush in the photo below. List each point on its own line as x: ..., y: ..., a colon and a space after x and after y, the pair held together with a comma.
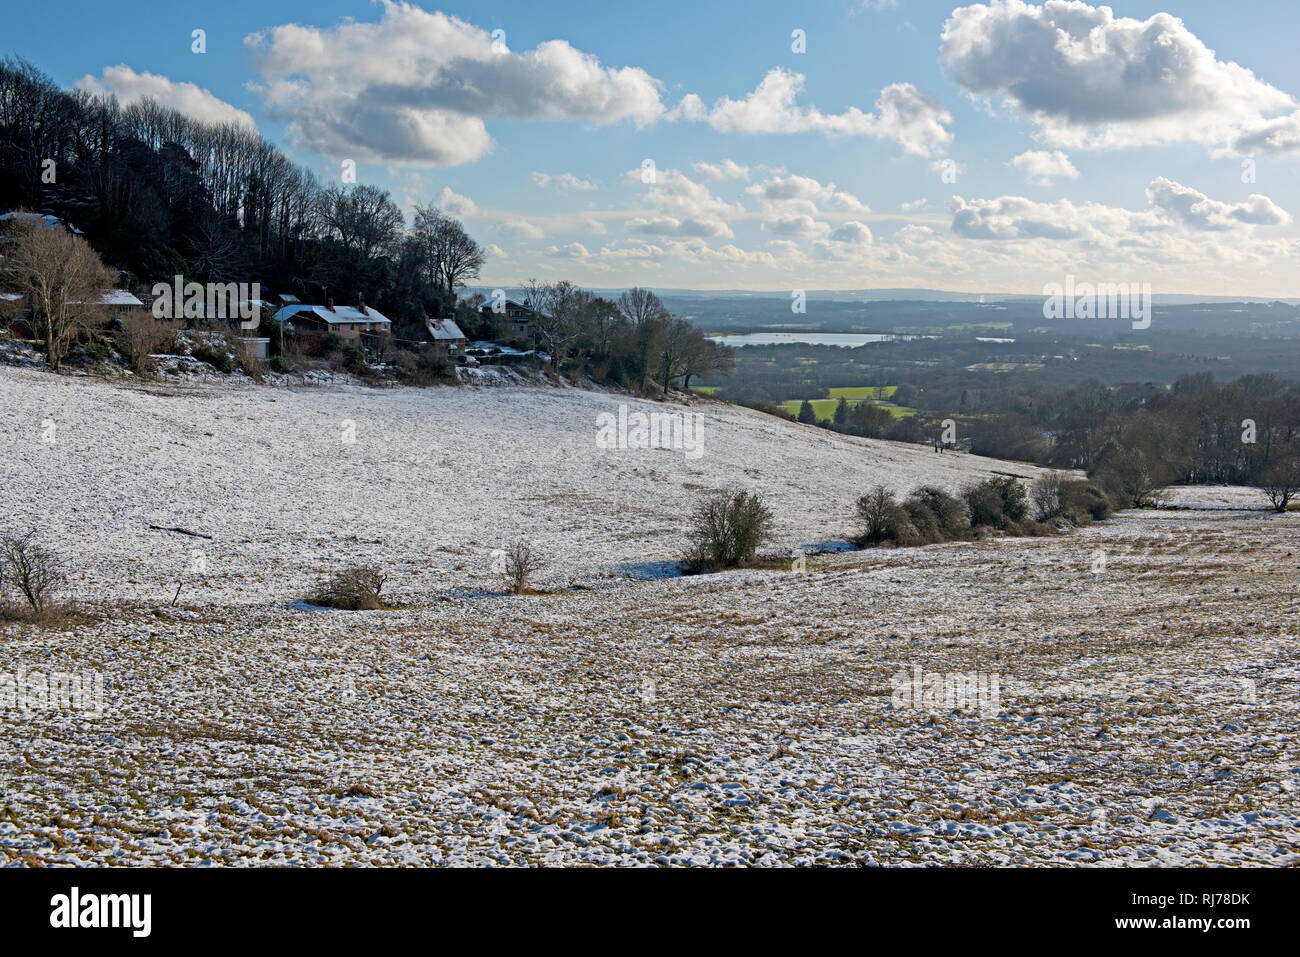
x: 727, y: 530
x: 142, y: 336
x: 520, y: 565
x: 352, y: 589
x: 329, y: 343
x: 936, y: 515
x: 882, y: 518
x: 279, y: 364
x: 219, y: 359
x: 30, y: 569
x: 1046, y: 495
x: 1082, y: 502
x: 354, y: 360
x: 998, y: 502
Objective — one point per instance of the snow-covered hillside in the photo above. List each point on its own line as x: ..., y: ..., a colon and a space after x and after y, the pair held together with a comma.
x: 1145, y: 668
x: 426, y: 483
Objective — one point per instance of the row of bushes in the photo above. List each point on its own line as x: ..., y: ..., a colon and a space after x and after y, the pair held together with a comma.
x: 726, y: 531
x: 1001, y: 504
x: 358, y: 588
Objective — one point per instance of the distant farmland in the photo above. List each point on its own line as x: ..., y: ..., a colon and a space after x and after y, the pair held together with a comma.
x: 825, y: 408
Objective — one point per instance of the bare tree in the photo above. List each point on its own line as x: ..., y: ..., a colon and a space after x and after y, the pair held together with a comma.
x: 521, y: 564
x: 646, y: 313
x: 559, y: 323
x: 63, y: 280
x: 674, y: 344
x: 604, y: 324
x: 452, y: 258
x: 1046, y: 494
x: 879, y: 513
x: 704, y: 357
x: 32, y: 569
x: 532, y: 294
x: 1281, y: 480
x: 365, y: 218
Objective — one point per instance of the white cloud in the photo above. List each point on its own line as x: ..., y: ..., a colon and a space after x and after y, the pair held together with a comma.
x: 853, y: 233
x: 796, y: 225
x: 1091, y: 80
x: 788, y: 195
x: 568, y: 251
x: 1172, y: 208
x: 416, y: 87
x: 562, y: 181
x: 1041, y: 166
x: 727, y: 169
x: 683, y: 207
x: 496, y: 252
x: 522, y: 228
x: 912, y: 119
x: 1197, y: 210
x: 194, y: 101
x: 914, y: 205
x: 671, y: 226
x: 455, y: 203
x: 1275, y: 136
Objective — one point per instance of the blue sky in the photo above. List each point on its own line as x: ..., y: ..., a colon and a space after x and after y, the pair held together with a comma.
x: 988, y: 147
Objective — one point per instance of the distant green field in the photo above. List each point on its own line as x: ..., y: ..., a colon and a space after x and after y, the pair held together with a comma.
x: 825, y: 408
x: 863, y: 392
x: 707, y: 389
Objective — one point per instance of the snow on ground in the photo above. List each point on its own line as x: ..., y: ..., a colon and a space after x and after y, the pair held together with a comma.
x: 1145, y: 668
x: 427, y: 483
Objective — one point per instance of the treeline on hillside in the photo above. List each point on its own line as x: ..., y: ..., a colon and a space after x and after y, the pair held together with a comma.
x: 634, y: 341
x: 1138, y: 438
x: 1132, y: 439
x: 157, y: 194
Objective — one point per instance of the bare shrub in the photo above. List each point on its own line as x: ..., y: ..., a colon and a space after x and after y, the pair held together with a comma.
x: 254, y: 366
x: 1046, y: 495
x: 30, y: 569
x: 1281, y: 481
x: 727, y: 529
x: 1082, y: 502
x: 142, y: 336
x: 352, y: 589
x: 936, y: 515
x: 997, y: 502
x: 1130, y: 476
x: 521, y: 564
x: 883, y: 519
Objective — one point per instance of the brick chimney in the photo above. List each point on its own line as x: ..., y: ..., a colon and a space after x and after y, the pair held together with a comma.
x: 361, y: 306
x: 329, y: 303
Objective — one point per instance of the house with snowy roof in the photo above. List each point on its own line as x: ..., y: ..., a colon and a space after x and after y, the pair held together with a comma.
x: 446, y: 336
x: 348, y: 323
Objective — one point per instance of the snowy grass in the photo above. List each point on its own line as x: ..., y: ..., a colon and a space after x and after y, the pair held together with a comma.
x: 1148, y: 709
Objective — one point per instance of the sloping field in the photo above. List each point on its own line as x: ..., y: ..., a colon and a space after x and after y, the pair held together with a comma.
x: 427, y: 483
x: 1124, y: 694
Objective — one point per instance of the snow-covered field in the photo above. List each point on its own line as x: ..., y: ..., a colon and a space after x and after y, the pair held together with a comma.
x: 427, y: 483
x: 1144, y: 670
